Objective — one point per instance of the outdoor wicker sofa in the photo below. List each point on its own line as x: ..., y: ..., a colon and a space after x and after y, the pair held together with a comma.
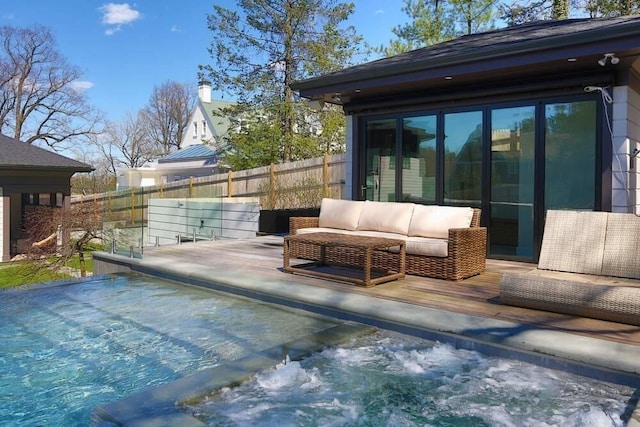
x: 589, y: 266
x: 443, y: 242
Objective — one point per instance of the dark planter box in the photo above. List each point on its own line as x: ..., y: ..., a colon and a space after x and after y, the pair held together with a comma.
x: 276, y: 221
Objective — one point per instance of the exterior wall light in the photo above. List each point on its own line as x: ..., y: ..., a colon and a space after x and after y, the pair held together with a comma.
x: 611, y: 56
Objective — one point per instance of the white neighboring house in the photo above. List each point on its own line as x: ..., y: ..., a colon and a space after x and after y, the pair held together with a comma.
x: 199, y: 152
x: 206, y: 126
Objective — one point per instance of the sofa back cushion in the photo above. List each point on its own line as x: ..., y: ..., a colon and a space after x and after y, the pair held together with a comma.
x: 573, y: 241
x: 621, y: 256
x: 342, y: 214
x: 386, y: 216
x: 435, y: 221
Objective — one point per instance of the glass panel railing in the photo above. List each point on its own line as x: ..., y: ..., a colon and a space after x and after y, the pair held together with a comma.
x: 123, y: 221
x: 139, y: 217
x: 221, y: 206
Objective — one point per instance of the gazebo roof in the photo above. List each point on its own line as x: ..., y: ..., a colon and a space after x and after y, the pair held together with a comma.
x: 15, y: 155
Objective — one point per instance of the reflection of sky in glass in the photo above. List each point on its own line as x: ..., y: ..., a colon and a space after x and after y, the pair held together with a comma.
x: 426, y: 123
x: 508, y: 118
x: 458, y: 127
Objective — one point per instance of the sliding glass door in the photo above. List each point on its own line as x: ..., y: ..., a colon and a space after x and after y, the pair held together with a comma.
x: 463, y: 158
x: 570, y: 151
x: 514, y: 161
x: 512, y: 181
x: 380, y: 157
x: 419, y: 159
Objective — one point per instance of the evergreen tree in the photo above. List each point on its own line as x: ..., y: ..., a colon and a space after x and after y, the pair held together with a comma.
x: 259, y: 50
x: 435, y: 21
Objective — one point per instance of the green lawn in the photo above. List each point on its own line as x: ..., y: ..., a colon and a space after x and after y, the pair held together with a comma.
x: 75, y: 262
x: 30, y: 272
x: 26, y: 273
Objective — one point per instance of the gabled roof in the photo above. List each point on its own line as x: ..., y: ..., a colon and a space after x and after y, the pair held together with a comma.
x: 15, y: 154
x: 519, y: 50
x: 192, y: 152
x: 219, y: 125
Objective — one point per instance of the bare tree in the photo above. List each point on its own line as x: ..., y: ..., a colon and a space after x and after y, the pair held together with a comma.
x: 40, y: 95
x: 127, y: 143
x: 57, y: 234
x: 102, y: 178
x: 168, y: 113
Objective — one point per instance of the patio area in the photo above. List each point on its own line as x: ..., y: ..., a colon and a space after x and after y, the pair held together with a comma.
x: 476, y: 296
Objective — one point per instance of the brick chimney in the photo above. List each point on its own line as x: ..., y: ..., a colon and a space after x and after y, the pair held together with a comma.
x: 204, y: 91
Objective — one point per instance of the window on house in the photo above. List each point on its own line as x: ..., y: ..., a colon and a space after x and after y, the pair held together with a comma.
x: 204, y: 128
x: 32, y: 199
x: 44, y: 199
x: 195, y: 129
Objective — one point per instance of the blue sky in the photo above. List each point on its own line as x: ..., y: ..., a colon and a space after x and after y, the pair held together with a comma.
x: 125, y: 49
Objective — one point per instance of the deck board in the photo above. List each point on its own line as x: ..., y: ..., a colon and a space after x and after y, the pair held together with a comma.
x: 477, y: 295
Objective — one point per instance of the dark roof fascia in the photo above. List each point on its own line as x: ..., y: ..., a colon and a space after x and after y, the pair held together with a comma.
x: 389, y: 67
x: 39, y: 168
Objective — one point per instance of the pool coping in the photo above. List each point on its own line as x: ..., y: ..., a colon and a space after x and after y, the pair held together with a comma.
x: 588, y: 356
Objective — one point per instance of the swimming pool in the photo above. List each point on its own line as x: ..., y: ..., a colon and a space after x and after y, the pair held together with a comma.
x: 116, y: 341
x: 393, y: 379
x: 69, y: 348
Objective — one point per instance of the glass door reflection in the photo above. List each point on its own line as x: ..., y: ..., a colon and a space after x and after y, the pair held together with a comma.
x: 511, y: 225
x: 380, y: 161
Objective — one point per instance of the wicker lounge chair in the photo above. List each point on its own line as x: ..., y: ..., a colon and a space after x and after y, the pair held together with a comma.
x: 589, y: 266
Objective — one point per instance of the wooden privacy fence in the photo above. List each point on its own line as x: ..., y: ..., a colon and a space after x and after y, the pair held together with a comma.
x: 297, y: 184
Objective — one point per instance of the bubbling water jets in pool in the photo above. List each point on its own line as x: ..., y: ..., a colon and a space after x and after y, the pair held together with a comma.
x: 390, y: 379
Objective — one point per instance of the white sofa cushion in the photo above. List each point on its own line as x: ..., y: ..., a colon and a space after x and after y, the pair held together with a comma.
x: 427, y: 246
x: 415, y: 245
x: 324, y: 230
x: 386, y: 217
x: 383, y: 234
x: 342, y: 214
x: 435, y: 221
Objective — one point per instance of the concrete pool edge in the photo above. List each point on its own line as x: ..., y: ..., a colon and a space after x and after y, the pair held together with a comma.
x: 541, y: 346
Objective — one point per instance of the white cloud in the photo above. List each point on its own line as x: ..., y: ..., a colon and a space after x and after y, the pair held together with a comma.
x: 118, y: 14
x: 379, y: 12
x: 81, y: 85
x: 175, y: 29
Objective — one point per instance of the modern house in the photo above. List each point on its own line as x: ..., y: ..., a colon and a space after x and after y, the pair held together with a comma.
x: 30, y: 176
x: 199, y: 151
x: 516, y: 121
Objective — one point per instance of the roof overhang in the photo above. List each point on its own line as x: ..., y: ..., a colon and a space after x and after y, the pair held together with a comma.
x: 548, y: 50
x: 37, y: 169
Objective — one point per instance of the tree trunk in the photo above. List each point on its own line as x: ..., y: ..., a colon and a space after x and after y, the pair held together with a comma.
x: 288, y: 93
x: 83, y: 270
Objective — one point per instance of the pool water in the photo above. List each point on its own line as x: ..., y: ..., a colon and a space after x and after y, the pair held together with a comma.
x: 391, y: 379
x: 69, y: 348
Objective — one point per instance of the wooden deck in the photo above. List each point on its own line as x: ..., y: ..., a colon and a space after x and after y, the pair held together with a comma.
x: 478, y: 295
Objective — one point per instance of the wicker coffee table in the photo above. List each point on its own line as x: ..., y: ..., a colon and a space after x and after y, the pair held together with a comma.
x: 362, y: 245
